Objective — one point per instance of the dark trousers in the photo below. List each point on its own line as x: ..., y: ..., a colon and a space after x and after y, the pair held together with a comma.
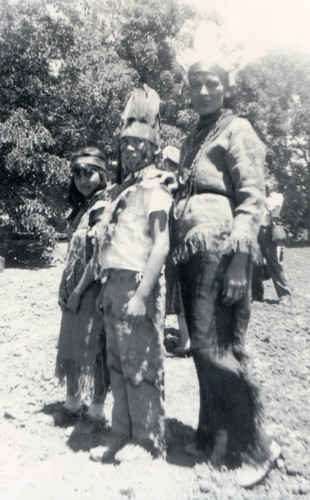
x: 228, y: 399
x: 274, y: 268
x: 135, y: 361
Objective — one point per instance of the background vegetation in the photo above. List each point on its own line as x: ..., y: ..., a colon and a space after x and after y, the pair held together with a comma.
x: 66, y: 68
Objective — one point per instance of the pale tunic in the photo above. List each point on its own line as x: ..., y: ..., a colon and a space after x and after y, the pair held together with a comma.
x: 131, y: 241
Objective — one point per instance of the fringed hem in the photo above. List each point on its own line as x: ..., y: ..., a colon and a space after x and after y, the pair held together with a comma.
x: 233, y: 403
x: 257, y: 449
x: 198, y: 242
x: 84, y: 374
x: 246, y: 244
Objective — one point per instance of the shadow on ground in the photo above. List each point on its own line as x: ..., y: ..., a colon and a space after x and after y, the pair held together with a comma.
x: 87, y: 435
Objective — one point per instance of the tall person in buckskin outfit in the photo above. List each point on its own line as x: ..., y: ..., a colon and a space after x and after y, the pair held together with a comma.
x: 217, y: 218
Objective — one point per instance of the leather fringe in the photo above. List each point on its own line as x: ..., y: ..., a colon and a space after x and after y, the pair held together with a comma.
x: 197, y: 242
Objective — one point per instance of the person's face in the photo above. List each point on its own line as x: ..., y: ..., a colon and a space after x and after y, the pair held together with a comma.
x: 87, y: 179
x: 136, y: 153
x: 206, y: 92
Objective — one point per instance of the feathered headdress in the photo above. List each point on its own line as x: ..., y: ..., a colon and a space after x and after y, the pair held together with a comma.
x: 141, y: 115
x: 209, y: 51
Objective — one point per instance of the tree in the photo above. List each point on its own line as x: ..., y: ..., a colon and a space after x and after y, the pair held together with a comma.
x: 32, y: 177
x: 275, y: 94
x: 66, y: 70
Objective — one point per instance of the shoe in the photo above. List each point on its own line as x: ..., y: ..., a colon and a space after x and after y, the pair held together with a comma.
x: 133, y: 452
x: 97, y: 422
x: 248, y: 475
x: 66, y: 418
x: 89, y: 425
x: 275, y: 451
x: 183, y: 353
x: 106, y: 454
x: 286, y: 300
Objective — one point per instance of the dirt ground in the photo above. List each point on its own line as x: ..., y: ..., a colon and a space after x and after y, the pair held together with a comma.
x: 42, y: 461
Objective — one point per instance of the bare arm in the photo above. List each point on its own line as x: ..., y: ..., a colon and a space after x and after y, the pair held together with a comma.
x: 63, y: 294
x: 86, y: 280
x: 136, y: 307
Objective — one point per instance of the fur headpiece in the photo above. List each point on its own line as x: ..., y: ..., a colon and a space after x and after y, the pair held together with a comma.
x: 141, y: 115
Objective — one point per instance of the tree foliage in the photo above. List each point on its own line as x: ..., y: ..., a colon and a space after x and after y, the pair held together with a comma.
x: 66, y: 69
x: 30, y: 172
x: 275, y: 94
x: 65, y: 73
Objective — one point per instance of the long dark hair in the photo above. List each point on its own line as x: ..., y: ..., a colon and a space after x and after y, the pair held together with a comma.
x: 120, y: 174
x: 75, y: 198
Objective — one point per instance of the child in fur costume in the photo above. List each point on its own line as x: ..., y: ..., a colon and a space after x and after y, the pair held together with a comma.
x: 133, y: 243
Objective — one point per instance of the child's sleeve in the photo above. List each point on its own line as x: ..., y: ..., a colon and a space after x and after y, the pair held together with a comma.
x: 159, y: 200
x: 94, y: 216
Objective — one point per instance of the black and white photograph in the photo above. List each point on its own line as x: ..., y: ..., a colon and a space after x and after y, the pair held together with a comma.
x: 154, y: 249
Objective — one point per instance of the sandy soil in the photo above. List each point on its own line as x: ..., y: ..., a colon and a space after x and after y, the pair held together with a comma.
x: 43, y: 461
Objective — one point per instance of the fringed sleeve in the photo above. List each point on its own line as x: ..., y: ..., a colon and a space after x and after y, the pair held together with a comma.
x: 245, y: 162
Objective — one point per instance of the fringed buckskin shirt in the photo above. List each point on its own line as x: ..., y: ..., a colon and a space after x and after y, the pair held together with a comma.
x: 222, y: 167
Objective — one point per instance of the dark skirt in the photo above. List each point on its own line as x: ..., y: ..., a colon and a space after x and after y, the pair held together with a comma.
x: 79, y: 338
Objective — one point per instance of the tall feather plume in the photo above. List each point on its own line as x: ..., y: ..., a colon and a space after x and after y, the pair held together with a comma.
x: 211, y: 46
x: 143, y: 106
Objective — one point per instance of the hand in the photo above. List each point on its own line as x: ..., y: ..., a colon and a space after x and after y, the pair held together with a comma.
x: 62, y: 303
x: 235, y: 283
x: 62, y: 298
x: 135, y: 311
x: 184, y: 343
x: 183, y: 346
x: 74, y: 301
x: 99, y: 302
